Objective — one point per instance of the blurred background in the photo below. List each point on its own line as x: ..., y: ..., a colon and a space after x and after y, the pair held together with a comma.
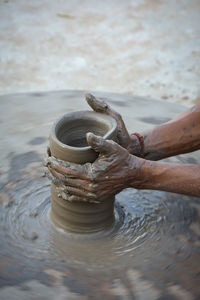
x: 137, y: 47
x: 147, y: 48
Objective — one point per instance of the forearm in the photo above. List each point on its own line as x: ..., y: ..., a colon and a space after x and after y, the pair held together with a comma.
x: 178, y: 136
x: 182, y: 179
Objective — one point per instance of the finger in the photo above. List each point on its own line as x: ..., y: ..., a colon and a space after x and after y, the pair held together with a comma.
x: 59, y: 177
x: 96, y: 105
x: 79, y: 192
x: 102, y: 107
x: 52, y: 178
x: 63, y: 163
x: 67, y: 169
x: 76, y: 183
x: 62, y: 193
x: 99, y: 144
x: 73, y: 182
x: 123, y: 135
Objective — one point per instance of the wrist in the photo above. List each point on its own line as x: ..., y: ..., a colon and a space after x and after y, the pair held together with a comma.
x: 137, y: 171
x: 140, y: 172
x: 136, y: 145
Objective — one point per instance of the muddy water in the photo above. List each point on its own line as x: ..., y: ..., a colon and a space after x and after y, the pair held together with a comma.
x: 151, y: 252
x: 146, y: 223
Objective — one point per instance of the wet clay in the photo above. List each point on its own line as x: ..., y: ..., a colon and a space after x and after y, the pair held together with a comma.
x: 68, y: 143
x: 152, y: 250
x: 151, y: 236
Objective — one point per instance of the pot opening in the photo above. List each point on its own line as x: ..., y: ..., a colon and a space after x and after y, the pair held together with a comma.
x: 73, y: 132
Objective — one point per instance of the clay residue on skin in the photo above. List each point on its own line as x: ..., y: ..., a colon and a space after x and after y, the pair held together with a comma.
x: 143, y: 234
x: 143, y: 238
x: 72, y: 210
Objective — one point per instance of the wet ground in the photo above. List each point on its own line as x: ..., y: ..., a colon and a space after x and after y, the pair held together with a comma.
x: 152, y: 251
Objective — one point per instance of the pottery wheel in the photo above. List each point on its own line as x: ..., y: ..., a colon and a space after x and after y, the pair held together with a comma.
x: 152, y: 251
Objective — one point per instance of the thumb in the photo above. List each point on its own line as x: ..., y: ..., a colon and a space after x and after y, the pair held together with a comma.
x: 95, y: 104
x: 99, y: 144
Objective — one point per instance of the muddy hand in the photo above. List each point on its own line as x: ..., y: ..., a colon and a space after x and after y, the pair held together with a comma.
x: 62, y: 173
x: 95, y: 182
x: 100, y: 106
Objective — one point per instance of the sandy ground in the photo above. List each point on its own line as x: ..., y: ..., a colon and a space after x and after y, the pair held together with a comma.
x: 140, y: 47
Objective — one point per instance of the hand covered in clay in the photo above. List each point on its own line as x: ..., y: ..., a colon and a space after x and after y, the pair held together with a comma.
x: 113, y: 171
x: 128, y: 142
x: 101, y: 106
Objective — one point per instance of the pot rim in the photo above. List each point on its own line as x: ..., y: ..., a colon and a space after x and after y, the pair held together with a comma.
x: 82, y: 112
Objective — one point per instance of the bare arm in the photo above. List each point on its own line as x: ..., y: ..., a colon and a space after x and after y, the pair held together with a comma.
x: 182, y: 179
x: 116, y: 169
x: 179, y: 135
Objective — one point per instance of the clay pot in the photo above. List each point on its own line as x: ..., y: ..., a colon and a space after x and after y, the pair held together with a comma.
x: 68, y: 142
